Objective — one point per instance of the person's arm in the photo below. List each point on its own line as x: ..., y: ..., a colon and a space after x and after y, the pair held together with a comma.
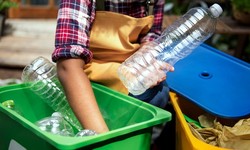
x: 79, y: 92
x: 71, y: 54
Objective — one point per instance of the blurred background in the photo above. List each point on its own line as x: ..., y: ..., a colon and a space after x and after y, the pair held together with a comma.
x: 27, y: 29
x: 233, y: 28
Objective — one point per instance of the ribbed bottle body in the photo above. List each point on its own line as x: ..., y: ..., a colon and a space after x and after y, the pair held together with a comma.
x: 147, y: 66
x: 41, y: 76
x: 184, y: 35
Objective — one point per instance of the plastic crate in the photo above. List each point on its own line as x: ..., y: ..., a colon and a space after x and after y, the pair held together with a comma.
x: 130, y: 121
x: 185, y: 140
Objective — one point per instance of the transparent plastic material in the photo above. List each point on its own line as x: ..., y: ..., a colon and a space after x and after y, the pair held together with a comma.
x: 11, y: 105
x: 41, y: 76
x: 56, y: 124
x: 85, y: 132
x: 147, y: 66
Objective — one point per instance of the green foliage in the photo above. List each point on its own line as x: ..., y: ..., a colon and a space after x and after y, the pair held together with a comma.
x: 243, y: 5
x: 179, y: 7
x: 6, y: 4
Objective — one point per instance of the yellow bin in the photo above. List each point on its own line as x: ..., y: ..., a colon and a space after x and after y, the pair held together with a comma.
x: 185, y: 140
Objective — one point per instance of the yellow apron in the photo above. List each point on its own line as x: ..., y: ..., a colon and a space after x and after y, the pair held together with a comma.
x: 113, y: 38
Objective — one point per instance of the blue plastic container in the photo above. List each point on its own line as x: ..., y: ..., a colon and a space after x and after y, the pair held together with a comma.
x: 215, y: 81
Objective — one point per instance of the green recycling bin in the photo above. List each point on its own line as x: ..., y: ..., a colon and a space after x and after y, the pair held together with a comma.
x: 130, y: 121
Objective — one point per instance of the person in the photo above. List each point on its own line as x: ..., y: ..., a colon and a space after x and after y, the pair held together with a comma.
x: 82, y: 56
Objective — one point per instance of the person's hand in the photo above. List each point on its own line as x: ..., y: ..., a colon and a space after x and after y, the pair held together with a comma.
x: 162, y: 72
x: 159, y: 67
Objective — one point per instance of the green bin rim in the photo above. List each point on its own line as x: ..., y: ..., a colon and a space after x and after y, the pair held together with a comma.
x: 63, y: 142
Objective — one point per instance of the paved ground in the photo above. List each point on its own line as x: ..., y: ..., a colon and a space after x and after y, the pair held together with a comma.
x: 23, y: 41
x: 26, y: 39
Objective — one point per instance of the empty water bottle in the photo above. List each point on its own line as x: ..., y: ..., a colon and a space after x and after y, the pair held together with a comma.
x: 56, y: 124
x: 85, y: 132
x: 144, y: 68
x: 41, y: 76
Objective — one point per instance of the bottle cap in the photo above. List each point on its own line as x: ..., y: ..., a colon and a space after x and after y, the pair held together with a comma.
x: 57, y: 114
x: 216, y: 10
x: 9, y: 104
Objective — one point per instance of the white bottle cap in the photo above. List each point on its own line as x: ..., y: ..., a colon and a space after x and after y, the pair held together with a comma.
x: 216, y: 10
x: 57, y: 114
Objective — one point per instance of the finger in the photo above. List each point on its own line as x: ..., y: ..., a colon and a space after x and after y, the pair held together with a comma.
x: 171, y: 68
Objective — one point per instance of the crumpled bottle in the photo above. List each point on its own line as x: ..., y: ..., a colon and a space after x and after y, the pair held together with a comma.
x: 85, y: 132
x: 56, y: 124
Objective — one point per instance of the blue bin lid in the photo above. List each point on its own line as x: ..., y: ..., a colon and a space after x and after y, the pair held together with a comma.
x: 214, y: 80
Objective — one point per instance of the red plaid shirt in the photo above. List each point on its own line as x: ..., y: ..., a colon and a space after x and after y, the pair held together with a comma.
x: 75, y: 18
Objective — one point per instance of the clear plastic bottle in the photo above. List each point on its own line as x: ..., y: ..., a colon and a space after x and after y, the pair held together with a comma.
x: 86, y: 132
x: 144, y: 68
x: 56, y: 124
x: 41, y: 76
